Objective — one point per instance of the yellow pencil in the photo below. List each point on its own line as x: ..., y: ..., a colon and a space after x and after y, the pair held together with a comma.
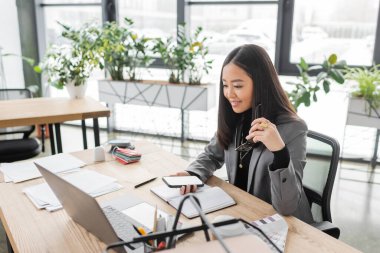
x: 141, y: 231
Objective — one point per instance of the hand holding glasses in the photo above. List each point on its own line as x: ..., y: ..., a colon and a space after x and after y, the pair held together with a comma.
x: 248, y: 145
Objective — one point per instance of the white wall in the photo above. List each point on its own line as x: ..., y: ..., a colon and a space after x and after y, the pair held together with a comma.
x: 10, y: 42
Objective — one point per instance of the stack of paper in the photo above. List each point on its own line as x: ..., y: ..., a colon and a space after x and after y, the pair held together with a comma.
x: 125, y: 156
x: 22, y: 171
x: 91, y: 182
x: 275, y: 227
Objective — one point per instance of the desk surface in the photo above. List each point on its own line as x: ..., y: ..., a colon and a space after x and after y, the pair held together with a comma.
x: 32, y: 230
x: 23, y: 112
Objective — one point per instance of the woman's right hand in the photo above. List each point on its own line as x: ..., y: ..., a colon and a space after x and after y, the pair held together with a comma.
x: 186, y: 188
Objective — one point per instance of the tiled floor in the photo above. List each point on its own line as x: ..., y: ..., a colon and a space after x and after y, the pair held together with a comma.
x: 355, y: 205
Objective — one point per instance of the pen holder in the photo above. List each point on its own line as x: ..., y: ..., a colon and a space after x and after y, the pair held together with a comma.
x: 99, y: 155
x: 148, y: 248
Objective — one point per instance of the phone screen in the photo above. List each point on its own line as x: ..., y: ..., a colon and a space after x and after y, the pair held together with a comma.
x: 176, y: 182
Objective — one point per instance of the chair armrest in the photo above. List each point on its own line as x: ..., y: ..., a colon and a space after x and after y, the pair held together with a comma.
x: 328, y: 228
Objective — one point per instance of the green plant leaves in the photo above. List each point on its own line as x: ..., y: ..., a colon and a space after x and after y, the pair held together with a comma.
x: 304, y: 66
x: 332, y: 59
x: 306, y: 87
x: 305, y: 98
x: 368, y: 83
x: 321, y: 76
x: 326, y: 86
x: 37, y: 69
x: 186, y: 55
x: 337, y: 76
x: 119, y: 50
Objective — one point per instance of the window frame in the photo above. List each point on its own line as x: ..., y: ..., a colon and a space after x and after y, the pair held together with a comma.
x: 285, y: 20
x: 285, y: 23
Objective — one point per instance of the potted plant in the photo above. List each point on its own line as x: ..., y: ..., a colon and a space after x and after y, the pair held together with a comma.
x: 122, y: 50
x: 70, y: 65
x: 184, y: 56
x: 305, y: 89
x: 366, y: 89
x: 186, y: 60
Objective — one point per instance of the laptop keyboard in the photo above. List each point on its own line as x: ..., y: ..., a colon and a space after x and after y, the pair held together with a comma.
x: 121, y: 223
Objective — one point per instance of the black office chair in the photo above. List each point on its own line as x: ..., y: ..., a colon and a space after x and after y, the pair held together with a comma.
x: 22, y: 147
x: 322, y: 154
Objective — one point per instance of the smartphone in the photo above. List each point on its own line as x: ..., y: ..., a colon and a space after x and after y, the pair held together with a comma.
x: 178, y: 181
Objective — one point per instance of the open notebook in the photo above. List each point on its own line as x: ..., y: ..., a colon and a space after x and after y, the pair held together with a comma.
x: 211, y: 199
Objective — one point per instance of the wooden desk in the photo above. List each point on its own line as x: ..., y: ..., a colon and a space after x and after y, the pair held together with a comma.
x: 38, y: 111
x: 31, y: 230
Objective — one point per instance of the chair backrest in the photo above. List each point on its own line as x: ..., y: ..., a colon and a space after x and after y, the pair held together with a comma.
x: 8, y: 94
x: 322, y: 154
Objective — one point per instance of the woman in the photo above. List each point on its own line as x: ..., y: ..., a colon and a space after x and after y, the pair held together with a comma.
x: 272, y: 168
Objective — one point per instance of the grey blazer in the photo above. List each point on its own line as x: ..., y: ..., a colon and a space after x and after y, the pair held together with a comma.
x: 282, y: 187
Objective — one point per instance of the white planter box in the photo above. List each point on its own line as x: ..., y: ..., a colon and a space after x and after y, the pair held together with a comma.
x: 358, y: 116
x: 153, y: 93
x: 157, y: 93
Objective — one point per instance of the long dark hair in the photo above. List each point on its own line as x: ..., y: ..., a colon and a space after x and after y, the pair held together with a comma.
x: 267, y: 90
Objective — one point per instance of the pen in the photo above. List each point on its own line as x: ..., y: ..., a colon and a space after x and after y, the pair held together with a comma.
x: 139, y: 230
x: 136, y: 229
x: 145, y: 182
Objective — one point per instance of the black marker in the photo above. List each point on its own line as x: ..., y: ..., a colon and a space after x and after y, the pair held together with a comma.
x: 145, y: 182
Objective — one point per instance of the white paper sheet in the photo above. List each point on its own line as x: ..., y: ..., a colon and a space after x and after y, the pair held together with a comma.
x: 18, y: 172
x: 22, y: 171
x: 60, y: 162
x: 91, y: 182
x: 144, y: 214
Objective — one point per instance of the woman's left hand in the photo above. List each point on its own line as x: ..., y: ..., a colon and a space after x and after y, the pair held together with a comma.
x: 266, y: 132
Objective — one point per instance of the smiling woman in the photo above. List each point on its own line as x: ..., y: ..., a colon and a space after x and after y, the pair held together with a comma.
x: 255, y: 111
x: 237, y: 88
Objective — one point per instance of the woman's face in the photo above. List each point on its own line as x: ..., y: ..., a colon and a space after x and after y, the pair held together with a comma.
x: 237, y: 88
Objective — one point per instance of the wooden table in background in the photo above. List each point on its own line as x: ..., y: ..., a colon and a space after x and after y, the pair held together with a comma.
x: 40, y: 111
x: 32, y: 230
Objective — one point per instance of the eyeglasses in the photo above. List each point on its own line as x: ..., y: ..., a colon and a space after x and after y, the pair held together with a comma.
x: 245, y: 147
x: 248, y: 145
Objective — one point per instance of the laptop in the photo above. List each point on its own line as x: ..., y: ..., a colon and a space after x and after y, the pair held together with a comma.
x: 107, y: 223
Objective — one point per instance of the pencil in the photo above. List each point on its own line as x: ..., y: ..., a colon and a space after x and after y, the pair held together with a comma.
x: 155, y: 220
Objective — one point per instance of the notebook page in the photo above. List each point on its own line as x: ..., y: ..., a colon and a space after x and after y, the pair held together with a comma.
x: 211, y: 199
x: 167, y: 193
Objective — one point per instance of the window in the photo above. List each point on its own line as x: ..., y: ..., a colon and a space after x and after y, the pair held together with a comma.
x: 73, y: 13
x: 344, y: 27
x: 73, y: 16
x: 151, y: 18
x: 230, y: 26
